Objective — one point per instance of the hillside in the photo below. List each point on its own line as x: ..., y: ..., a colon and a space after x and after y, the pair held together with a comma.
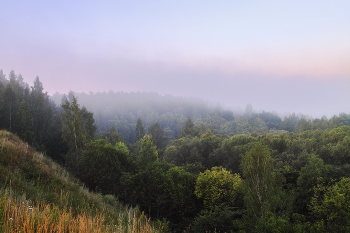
x: 38, y: 195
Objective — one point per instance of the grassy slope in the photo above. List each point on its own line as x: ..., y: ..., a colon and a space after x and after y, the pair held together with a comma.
x: 38, y: 195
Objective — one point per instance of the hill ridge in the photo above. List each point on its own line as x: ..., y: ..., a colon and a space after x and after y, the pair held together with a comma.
x: 38, y: 195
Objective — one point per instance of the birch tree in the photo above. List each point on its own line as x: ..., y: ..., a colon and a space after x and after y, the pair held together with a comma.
x: 73, y: 132
x: 73, y: 129
x: 263, y: 187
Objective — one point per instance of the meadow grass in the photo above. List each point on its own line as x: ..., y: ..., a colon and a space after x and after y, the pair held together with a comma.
x: 38, y: 195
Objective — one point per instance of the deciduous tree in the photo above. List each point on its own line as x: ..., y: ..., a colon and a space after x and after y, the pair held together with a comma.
x: 217, y: 187
x: 262, y: 186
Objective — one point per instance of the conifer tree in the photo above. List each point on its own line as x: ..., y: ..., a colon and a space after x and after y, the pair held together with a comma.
x: 41, y: 112
x: 89, y: 123
x: 189, y: 129
x: 157, y: 135
x: 2, y: 90
x: 25, y: 121
x: 148, y: 152
x: 3, y: 79
x: 139, y: 130
x: 10, y: 107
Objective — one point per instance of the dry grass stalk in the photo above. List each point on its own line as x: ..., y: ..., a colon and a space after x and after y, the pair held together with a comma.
x: 21, y: 217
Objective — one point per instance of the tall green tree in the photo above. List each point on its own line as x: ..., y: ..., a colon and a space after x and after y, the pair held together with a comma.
x: 157, y: 135
x: 189, y: 129
x: 41, y: 111
x: 148, y: 152
x: 10, y: 107
x: 180, y: 186
x: 147, y: 188
x: 102, y: 165
x: 25, y: 121
x: 3, y: 79
x: 2, y: 90
x: 262, y: 186
x: 89, y: 123
x: 74, y: 132
x: 139, y: 130
x: 309, y: 177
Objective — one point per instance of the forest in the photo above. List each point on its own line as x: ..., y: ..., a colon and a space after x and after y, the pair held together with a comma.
x: 191, y: 166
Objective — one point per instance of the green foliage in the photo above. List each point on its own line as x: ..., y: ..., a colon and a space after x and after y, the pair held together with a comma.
x: 110, y: 137
x: 42, y: 112
x: 303, y: 125
x: 102, y: 165
x: 344, y: 118
x: 259, y: 126
x: 310, y: 174
x: 180, y: 186
x: 10, y: 107
x: 309, y: 177
x: 189, y: 129
x: 271, y: 223
x: 335, y: 122
x: 216, y: 220
x: 148, y: 152
x: 139, y: 130
x: 194, y: 168
x: 242, y: 126
x: 217, y: 187
x: 157, y: 134
x: 147, y: 188
x: 330, y: 206
x: 290, y: 122
x: 183, y: 151
x: 271, y: 120
x: 89, y: 121
x: 258, y: 174
x: 193, y: 150
x: 77, y: 129
x: 73, y: 129
x: 231, y: 150
x: 262, y: 186
x: 25, y: 121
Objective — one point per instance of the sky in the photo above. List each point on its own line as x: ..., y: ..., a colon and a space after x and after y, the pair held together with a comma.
x: 284, y: 56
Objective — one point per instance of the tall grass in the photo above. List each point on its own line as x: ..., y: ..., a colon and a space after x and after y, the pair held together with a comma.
x: 38, y: 195
x: 19, y: 216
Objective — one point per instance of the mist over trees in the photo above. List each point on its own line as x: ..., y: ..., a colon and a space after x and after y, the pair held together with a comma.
x: 171, y: 113
x: 189, y: 165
